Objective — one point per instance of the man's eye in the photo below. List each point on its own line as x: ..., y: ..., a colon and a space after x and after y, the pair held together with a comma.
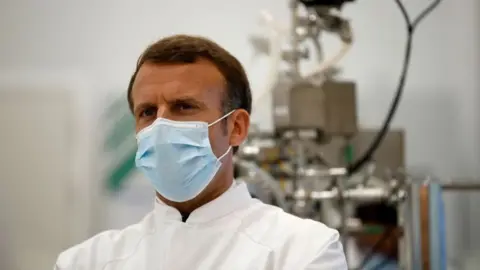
x: 148, y: 112
x: 183, y: 107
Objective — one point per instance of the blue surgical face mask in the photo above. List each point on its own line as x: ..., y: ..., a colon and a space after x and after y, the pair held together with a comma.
x: 177, y: 157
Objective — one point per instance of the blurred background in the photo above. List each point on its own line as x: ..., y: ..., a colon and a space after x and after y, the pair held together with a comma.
x: 67, y: 140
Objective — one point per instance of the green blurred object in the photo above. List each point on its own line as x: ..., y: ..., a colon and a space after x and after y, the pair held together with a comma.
x: 119, y: 175
x: 120, y: 144
x: 121, y: 132
x: 348, y: 153
x: 373, y: 229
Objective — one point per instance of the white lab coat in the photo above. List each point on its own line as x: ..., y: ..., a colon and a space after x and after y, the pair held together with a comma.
x: 232, y: 232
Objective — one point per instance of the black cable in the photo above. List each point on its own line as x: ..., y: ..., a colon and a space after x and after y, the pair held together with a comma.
x: 393, y: 107
x: 425, y: 13
x: 367, y: 156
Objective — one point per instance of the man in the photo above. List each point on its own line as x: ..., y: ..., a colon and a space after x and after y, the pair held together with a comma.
x: 191, y: 101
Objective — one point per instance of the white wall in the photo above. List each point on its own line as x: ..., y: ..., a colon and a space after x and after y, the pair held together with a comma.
x: 101, y: 40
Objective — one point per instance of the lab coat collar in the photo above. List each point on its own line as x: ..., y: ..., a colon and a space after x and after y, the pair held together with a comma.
x: 236, y: 197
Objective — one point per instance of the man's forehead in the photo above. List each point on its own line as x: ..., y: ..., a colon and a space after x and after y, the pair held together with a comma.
x: 189, y: 80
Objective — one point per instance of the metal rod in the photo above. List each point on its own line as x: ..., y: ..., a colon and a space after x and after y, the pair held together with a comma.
x: 342, y: 202
x: 294, y: 4
x: 461, y: 186
x: 404, y: 260
x: 409, y: 219
x: 358, y: 194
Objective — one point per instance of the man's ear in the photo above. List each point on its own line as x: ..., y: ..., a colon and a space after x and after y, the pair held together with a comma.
x: 240, y: 123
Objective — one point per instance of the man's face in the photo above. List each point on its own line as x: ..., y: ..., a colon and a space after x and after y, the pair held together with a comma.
x: 186, y: 92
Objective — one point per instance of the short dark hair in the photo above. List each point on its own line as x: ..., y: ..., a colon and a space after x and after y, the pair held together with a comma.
x: 186, y: 49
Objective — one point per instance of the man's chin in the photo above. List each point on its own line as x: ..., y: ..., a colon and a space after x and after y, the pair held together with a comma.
x: 185, y: 206
x: 170, y: 202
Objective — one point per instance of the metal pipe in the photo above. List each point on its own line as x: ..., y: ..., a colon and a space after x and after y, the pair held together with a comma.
x: 294, y: 4
x: 461, y: 186
x: 267, y: 180
x: 299, y: 162
x: 342, y: 202
x: 357, y: 194
x: 410, y: 245
x: 404, y: 260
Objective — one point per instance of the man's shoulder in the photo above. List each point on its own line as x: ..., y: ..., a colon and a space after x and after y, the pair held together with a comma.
x: 103, y: 247
x: 268, y: 222
x: 294, y: 240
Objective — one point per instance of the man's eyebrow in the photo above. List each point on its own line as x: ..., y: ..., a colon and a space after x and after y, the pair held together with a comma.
x: 189, y: 100
x: 142, y: 106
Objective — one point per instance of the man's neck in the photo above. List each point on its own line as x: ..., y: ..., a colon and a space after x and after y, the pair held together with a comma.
x: 214, y: 190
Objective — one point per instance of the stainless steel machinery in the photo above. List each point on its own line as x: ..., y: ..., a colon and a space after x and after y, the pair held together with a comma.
x: 305, y: 163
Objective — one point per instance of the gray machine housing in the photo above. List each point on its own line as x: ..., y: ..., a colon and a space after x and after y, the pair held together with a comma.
x: 329, y: 109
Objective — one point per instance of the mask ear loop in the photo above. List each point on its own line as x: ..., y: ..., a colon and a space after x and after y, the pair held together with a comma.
x: 216, y: 121
x: 221, y: 118
x: 226, y: 152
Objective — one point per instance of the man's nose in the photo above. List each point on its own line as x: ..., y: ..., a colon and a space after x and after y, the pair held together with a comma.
x: 163, y: 112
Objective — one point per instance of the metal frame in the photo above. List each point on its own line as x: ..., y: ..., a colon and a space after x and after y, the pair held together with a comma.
x: 409, y: 205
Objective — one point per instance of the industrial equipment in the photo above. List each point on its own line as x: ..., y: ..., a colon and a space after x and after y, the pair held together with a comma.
x: 328, y: 3
x: 317, y: 157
